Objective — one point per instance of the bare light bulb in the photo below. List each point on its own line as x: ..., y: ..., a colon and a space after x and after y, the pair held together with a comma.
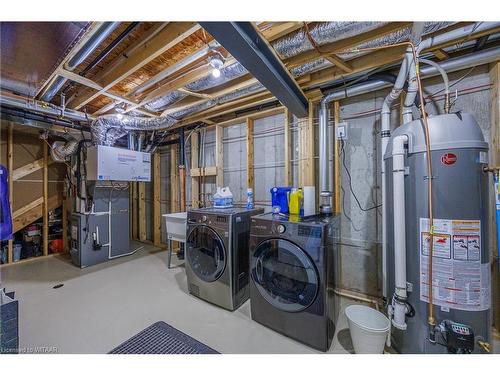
x: 216, y: 73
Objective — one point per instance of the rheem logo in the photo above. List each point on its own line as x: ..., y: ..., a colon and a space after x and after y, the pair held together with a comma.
x: 449, y: 158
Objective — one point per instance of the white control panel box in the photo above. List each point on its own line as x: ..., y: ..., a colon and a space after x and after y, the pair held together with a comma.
x: 105, y: 163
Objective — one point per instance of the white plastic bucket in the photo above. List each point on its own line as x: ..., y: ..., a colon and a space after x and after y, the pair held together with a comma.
x: 368, y: 328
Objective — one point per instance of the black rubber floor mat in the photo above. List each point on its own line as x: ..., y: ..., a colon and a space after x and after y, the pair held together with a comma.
x: 161, y: 338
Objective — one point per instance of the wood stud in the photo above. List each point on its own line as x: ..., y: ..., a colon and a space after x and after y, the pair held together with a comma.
x: 288, y: 147
x: 142, y: 211
x: 195, y: 182
x: 250, y: 154
x: 157, y: 200
x: 219, y: 155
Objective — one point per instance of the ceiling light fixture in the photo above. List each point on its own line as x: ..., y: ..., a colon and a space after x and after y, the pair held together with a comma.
x: 216, y: 62
x: 119, y: 116
x: 121, y: 107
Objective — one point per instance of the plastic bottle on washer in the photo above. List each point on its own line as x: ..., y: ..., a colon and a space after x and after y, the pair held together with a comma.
x: 250, y: 199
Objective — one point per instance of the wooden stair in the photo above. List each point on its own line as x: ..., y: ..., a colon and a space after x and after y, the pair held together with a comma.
x: 33, y: 211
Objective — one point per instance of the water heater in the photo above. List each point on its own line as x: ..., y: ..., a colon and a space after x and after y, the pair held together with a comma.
x: 461, y: 258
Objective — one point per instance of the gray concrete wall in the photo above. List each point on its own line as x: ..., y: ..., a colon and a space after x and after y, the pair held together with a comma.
x: 361, y: 228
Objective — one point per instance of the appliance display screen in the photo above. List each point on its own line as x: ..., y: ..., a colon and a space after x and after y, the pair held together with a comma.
x: 307, y: 231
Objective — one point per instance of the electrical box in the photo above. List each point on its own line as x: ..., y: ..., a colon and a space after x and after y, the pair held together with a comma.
x: 342, y: 131
x: 105, y: 163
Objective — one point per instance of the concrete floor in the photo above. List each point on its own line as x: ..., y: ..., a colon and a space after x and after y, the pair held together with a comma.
x: 100, y: 307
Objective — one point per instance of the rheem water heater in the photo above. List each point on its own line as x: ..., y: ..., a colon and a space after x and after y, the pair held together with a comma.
x: 461, y: 258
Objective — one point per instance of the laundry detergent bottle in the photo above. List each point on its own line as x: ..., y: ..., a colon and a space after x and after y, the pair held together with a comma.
x: 296, y: 198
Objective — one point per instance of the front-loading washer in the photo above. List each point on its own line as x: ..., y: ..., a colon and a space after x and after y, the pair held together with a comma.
x: 293, y: 268
x: 217, y: 257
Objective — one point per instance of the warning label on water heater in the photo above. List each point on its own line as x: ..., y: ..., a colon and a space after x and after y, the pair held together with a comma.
x: 459, y: 280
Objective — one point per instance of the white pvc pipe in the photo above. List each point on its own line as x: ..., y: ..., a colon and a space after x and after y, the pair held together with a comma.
x: 416, y: 35
x: 411, y: 94
x: 385, y: 132
x: 398, y: 173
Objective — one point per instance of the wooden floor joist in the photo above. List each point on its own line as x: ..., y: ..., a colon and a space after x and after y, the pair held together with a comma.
x: 169, y: 36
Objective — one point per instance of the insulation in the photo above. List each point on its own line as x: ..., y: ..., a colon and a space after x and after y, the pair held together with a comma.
x: 309, y: 67
x: 219, y: 100
x: 60, y: 151
x: 162, y: 102
x: 325, y: 32
x: 107, y: 129
x: 396, y: 37
x: 399, y: 36
x: 228, y: 73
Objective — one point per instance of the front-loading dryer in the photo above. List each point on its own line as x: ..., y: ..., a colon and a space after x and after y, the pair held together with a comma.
x: 217, y: 257
x: 293, y: 272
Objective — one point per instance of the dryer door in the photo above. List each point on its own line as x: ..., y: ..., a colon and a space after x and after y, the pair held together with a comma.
x: 284, y: 275
x: 205, y: 253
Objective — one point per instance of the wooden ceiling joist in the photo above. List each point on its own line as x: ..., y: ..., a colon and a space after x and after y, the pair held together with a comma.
x: 172, y: 34
x: 91, y: 84
x: 174, y: 85
x: 196, y: 94
x: 239, y: 86
x: 280, y: 29
x: 121, y: 80
x: 340, y: 45
x: 337, y: 61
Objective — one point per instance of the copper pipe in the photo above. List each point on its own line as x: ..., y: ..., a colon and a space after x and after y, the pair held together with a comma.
x: 358, y: 297
x: 430, y: 319
x: 491, y: 168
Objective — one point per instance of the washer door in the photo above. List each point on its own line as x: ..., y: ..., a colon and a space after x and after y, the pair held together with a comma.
x: 205, y: 253
x: 284, y: 275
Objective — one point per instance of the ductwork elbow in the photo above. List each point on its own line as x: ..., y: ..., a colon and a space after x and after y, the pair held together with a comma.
x: 61, y: 151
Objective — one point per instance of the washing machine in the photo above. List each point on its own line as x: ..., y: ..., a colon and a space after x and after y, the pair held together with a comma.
x: 293, y: 271
x: 217, y: 254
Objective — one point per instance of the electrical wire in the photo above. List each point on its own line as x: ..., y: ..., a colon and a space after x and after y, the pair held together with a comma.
x: 349, y: 178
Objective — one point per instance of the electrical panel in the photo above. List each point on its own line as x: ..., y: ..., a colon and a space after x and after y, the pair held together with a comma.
x: 105, y: 163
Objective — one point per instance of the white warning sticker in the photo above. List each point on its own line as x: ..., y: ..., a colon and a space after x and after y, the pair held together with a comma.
x: 459, y: 280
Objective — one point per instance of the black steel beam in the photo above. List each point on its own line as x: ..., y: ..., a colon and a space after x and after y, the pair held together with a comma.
x: 245, y: 44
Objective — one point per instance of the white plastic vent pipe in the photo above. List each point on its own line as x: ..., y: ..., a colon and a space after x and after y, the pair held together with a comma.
x: 398, y: 172
x: 385, y: 134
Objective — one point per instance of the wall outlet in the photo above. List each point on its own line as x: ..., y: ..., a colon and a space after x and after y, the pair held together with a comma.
x: 342, y: 131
